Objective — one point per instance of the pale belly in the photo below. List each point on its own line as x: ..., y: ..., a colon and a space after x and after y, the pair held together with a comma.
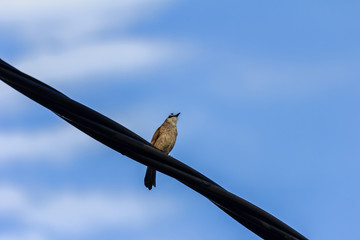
x: 165, y: 142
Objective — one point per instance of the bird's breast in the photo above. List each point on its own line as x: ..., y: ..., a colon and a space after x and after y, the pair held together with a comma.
x: 166, y: 140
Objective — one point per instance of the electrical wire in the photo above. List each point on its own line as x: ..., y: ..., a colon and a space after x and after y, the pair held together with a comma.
x: 128, y: 143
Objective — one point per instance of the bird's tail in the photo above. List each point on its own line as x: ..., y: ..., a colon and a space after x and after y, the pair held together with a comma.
x: 150, y: 178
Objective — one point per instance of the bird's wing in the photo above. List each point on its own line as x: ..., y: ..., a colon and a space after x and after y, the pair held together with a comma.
x: 156, y: 136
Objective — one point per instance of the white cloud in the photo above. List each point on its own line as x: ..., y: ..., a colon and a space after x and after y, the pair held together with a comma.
x: 22, y: 236
x: 70, y: 40
x: 82, y: 212
x: 125, y: 56
x: 44, y: 22
x: 11, y: 101
x: 21, y: 10
x: 55, y: 144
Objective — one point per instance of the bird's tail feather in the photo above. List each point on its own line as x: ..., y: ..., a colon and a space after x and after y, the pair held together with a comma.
x: 150, y: 178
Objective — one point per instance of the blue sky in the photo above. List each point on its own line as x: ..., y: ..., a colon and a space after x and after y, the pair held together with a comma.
x: 268, y: 94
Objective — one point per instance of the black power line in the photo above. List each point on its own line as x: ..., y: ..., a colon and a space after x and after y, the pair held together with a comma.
x: 126, y: 142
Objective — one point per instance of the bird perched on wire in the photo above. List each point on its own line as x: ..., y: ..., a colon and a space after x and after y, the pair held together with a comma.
x: 164, y: 139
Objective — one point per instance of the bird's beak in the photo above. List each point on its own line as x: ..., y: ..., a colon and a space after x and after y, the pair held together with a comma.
x: 177, y: 114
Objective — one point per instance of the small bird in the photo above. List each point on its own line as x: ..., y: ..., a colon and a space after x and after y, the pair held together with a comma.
x: 164, y: 139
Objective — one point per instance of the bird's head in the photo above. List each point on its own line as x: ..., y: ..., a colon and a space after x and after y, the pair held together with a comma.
x: 172, y: 118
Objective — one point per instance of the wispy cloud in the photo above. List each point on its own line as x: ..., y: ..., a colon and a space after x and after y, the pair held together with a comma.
x: 82, y: 212
x: 70, y: 40
x: 66, y: 22
x: 58, y: 144
x: 10, y: 100
x: 22, y: 236
x: 122, y: 56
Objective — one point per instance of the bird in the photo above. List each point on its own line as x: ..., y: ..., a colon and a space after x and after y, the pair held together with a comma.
x: 163, y: 139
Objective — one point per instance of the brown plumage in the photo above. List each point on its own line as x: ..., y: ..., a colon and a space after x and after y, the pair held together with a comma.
x: 163, y: 139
